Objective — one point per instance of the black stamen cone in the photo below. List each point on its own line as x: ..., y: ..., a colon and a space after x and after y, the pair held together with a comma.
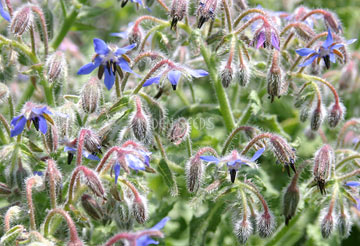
x: 287, y: 169
x: 114, y: 67
x: 36, y: 122
x: 321, y: 185
x: 70, y: 158
x: 101, y: 71
x: 292, y: 165
x: 327, y: 61
x: 232, y: 175
x: 123, y: 3
x: 174, y: 22
x: 201, y: 22
x: 174, y: 87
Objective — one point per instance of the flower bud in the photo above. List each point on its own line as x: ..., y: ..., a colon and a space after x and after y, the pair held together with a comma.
x: 194, y: 171
x: 284, y: 152
x: 65, y: 121
x: 92, y: 142
x: 304, y: 32
x: 324, y: 159
x: 317, y: 118
x: 92, y: 180
x: 332, y: 21
x: 179, y: 130
x: 51, y: 138
x: 90, y: 96
x: 344, y: 224
x: 10, y: 237
x: 327, y: 225
x: 226, y: 76
x: 243, y: 230
x: 304, y: 113
x: 177, y: 12
x: 336, y: 114
x: 91, y: 207
x: 290, y: 201
x: 242, y: 75
x: 276, y: 85
x: 4, y: 92
x: 135, y: 36
x: 265, y: 224
x: 53, y: 172
x: 56, y: 66
x: 4, y: 189
x: 206, y: 11
x: 123, y: 214
x: 140, y: 124
x: 22, y: 20
x: 139, y: 209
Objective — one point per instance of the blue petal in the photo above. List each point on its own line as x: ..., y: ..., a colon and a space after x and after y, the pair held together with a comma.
x: 332, y: 57
x: 125, y: 66
x: 351, y: 41
x: 275, y: 41
x: 87, y: 68
x: 109, y: 79
x: 116, y: 171
x: 119, y: 34
x: 309, y: 61
x: 257, y: 154
x: 18, y: 127
x: 174, y: 76
x: 151, y: 81
x: 38, y: 111
x: 145, y: 240
x: 100, y: 47
x: 198, y: 73
x: 353, y: 183
x: 15, y: 119
x: 305, y: 51
x: 4, y: 14
x: 209, y: 158
x: 89, y: 156
x: 69, y: 149
x: 42, y: 124
x: 161, y: 224
x: 134, y: 162
x: 123, y: 50
x: 328, y: 41
x: 38, y: 173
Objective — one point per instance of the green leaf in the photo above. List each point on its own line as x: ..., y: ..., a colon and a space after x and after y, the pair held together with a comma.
x: 168, y: 176
x: 270, y: 122
x: 255, y: 102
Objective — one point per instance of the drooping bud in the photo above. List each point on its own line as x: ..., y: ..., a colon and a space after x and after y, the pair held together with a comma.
x: 65, y: 121
x: 344, y: 224
x: 140, y: 124
x: 317, y: 118
x: 179, y: 131
x: 51, y: 138
x: 327, y: 225
x: 90, y: 96
x: 332, y: 21
x: 92, y: 142
x: 276, y: 86
x: 91, y: 207
x: 226, y: 76
x: 91, y: 179
x: 139, y: 209
x: 52, y: 172
x: 194, y: 171
x: 56, y: 66
x: 304, y: 113
x: 22, y: 20
x: 242, y: 75
x: 177, y: 12
x: 135, y: 36
x: 123, y: 215
x: 206, y: 11
x: 284, y: 152
x: 290, y: 201
x: 265, y: 224
x: 324, y: 159
x: 336, y: 114
x: 304, y: 32
x: 243, y: 230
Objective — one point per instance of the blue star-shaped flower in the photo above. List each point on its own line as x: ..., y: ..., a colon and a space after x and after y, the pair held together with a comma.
x: 174, y: 74
x: 235, y: 161
x: 38, y: 115
x: 146, y: 240
x: 327, y: 52
x: 110, y: 60
x: 4, y: 14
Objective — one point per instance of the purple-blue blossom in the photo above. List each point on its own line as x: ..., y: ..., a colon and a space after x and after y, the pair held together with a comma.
x: 36, y: 114
x: 234, y: 161
x: 174, y: 74
x: 71, y: 152
x: 146, y: 240
x: 110, y: 60
x: 327, y: 51
x: 4, y: 14
x: 353, y: 183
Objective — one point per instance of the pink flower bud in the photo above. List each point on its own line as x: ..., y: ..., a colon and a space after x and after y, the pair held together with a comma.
x: 317, y: 117
x: 242, y: 75
x: 51, y: 138
x: 139, y: 123
x: 194, y: 172
x: 324, y: 159
x: 206, y: 11
x: 284, y: 152
x: 140, y: 210
x: 243, y: 230
x: 265, y: 224
x: 179, y: 131
x: 336, y: 114
x: 332, y: 21
x: 22, y: 20
x: 304, y: 32
x: 276, y: 84
x: 56, y: 66
x: 327, y: 225
x: 91, y: 207
x: 135, y: 36
x: 90, y: 96
x: 92, y: 142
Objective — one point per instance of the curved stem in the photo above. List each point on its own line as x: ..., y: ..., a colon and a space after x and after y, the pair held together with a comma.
x: 252, y: 20
x: 247, y: 12
x: 227, y: 14
x: 163, y: 5
x: 29, y: 184
x: 44, y: 27
x: 80, y: 145
x: 51, y: 172
x: 5, y: 124
x: 232, y: 135
x: 349, y: 158
x: 254, y: 141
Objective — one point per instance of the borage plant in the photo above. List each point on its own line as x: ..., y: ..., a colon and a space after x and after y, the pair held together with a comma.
x: 167, y: 135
